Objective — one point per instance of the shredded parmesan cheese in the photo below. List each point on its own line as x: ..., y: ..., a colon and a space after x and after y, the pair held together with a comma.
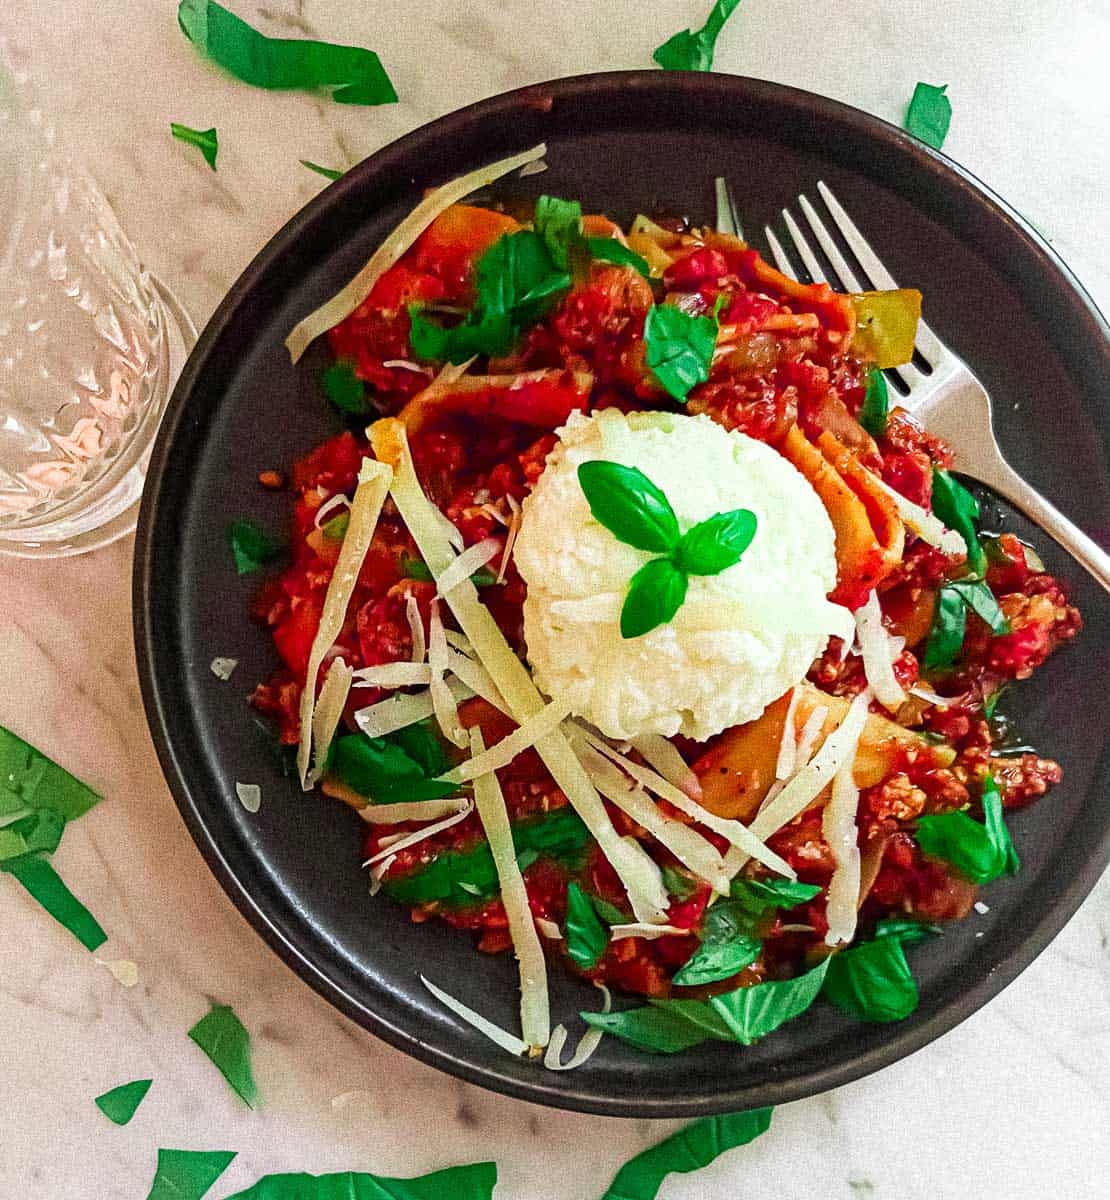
x: 411, y: 810
x: 535, y: 1014
x: 522, y: 738
x: 928, y: 527
x: 122, y: 970
x: 501, y: 1037
x: 477, y: 679
x: 645, y: 889
x: 393, y: 675
x: 788, y: 747
x: 416, y: 629
x: 510, y: 538
x: 223, y: 668
x: 378, y: 873
x: 838, y: 826
x: 636, y: 929
x: 877, y: 648
x: 549, y: 929
x: 328, y: 507
x: 419, y: 835
x: 927, y: 694
x: 327, y: 715
x: 404, y: 709
x: 443, y: 702
x: 470, y: 560
x: 663, y: 755
x: 340, y: 306
x: 587, y: 1044
x: 811, y: 731
x: 373, y: 485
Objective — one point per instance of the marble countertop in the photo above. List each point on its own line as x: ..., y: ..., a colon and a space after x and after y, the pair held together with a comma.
x: 1015, y: 1102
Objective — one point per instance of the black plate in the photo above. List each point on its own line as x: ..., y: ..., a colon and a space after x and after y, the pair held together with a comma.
x: 622, y: 143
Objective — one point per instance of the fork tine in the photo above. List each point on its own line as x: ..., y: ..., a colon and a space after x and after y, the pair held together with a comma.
x: 839, y: 263
x: 812, y: 263
x: 779, y: 254
x: 927, y: 341
x: 728, y: 220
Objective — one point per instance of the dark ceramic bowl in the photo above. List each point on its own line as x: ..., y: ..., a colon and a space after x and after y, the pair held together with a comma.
x: 625, y: 142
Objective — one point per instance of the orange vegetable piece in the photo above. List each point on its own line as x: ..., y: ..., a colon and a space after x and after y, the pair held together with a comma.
x: 455, y: 240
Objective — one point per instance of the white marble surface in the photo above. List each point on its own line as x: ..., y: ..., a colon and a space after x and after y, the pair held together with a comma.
x: 1013, y: 1103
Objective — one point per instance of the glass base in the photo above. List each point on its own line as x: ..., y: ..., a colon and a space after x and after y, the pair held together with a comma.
x: 122, y: 502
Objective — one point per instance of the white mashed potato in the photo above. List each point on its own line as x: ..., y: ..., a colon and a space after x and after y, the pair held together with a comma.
x: 740, y: 639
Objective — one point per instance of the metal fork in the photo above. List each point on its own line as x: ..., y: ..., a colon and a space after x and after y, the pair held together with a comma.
x: 949, y: 399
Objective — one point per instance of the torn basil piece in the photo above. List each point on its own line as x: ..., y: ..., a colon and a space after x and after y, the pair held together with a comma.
x: 46, y: 886
x: 474, y: 1181
x: 187, y: 1174
x: 223, y: 1037
x: 120, y: 1103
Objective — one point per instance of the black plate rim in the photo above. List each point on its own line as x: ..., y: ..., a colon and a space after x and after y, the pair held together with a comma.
x: 158, y: 703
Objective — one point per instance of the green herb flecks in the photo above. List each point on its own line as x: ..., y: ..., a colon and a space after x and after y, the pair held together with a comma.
x: 251, y: 546
x: 949, y: 628
x: 692, y: 50
x: 929, y: 114
x: 119, y: 1104
x: 474, y: 1181
x: 876, y: 403
x: 224, y: 1038
x: 345, y: 390
x: 679, y: 348
x: 609, y: 250
x: 981, y: 852
x: 689, y: 1149
x: 187, y: 1174
x: 586, y: 937
x: 637, y: 513
x: 327, y: 172
x: 205, y: 140
x: 357, y: 75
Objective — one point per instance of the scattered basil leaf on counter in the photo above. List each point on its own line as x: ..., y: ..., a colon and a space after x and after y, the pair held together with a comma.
x: 223, y: 1037
x: 251, y: 546
x: 28, y: 779
x: 715, y: 544
x: 559, y: 223
x: 384, y: 771
x: 678, y: 883
x: 345, y: 390
x: 284, y: 63
x: 906, y: 930
x: 761, y: 895
x: 609, y: 250
x: 46, y: 886
x: 119, y: 1104
x: 679, y: 348
x: 873, y: 981
x: 475, y: 1181
x: 947, y: 632
x: 753, y: 1012
x: 586, y: 937
x: 654, y: 596
x: 689, y: 1149
x: 959, y: 510
x: 416, y: 568
x: 630, y: 506
x: 876, y: 403
x: 980, y: 851
x: 929, y: 114
x: 12, y: 844
x: 728, y: 945
x: 327, y: 172
x: 205, y: 140
x: 692, y: 50
x: 187, y: 1174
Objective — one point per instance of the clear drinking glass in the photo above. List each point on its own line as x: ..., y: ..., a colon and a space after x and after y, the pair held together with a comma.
x: 90, y: 346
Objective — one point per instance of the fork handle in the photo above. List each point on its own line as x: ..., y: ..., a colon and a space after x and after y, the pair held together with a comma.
x: 1000, y: 476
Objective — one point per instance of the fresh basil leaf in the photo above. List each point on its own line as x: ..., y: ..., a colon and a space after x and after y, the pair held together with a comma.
x: 905, y: 929
x: 559, y: 223
x: 327, y: 172
x: 119, y: 1104
x: 689, y: 1149
x: 929, y: 114
x: 491, y: 334
x: 251, y: 547
x: 679, y: 348
x: 205, y: 140
x: 949, y: 627
x: 717, y: 543
x: 475, y: 1181
x: 39, y: 830
x: 761, y: 895
x: 692, y: 50
x: 728, y: 945
x: 872, y: 982
x: 422, y: 743
x: 187, y: 1174
x: 586, y: 937
x: 335, y: 530
x: 654, y: 596
x: 345, y: 390
x: 517, y: 278
x: 284, y: 63
x: 28, y: 779
x: 384, y: 771
x: 609, y: 913
x: 657, y: 1028
x: 224, y: 1038
x: 629, y: 505
x: 609, y: 250
x: 12, y: 844
x: 678, y: 883
x: 46, y: 886
x: 753, y: 1012
x: 981, y: 600
x: 525, y: 859
x: 980, y: 851
x: 876, y: 403
x: 959, y: 510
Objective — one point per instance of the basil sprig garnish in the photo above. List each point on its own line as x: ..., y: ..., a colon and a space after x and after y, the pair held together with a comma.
x: 876, y: 403
x: 637, y: 513
x: 679, y: 348
x: 692, y: 49
x: 559, y: 223
x: 981, y: 851
x: 929, y: 114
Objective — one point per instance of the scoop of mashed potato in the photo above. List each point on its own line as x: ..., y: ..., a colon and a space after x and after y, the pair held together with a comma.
x: 740, y: 639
